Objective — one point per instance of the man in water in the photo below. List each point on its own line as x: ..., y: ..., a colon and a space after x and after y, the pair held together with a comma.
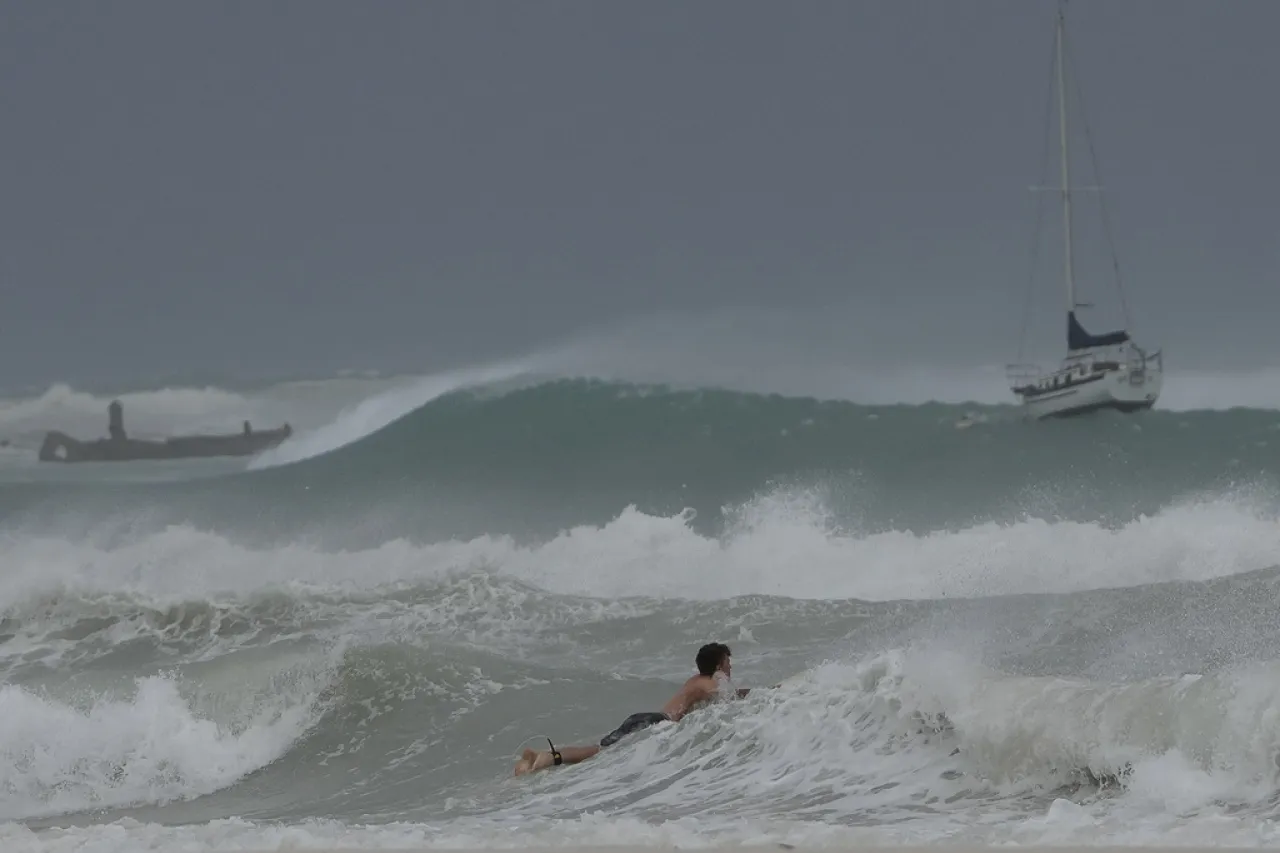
x: 697, y: 691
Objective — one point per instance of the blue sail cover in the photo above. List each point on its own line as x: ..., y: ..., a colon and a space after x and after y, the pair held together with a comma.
x: 1078, y: 338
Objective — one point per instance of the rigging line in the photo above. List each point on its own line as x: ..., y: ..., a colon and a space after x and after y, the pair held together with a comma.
x: 1040, y: 203
x: 1102, y: 205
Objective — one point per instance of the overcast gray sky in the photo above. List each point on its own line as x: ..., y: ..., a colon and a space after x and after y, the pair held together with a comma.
x: 270, y: 187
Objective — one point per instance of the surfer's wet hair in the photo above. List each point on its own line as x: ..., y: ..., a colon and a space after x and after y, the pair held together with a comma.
x: 710, y: 657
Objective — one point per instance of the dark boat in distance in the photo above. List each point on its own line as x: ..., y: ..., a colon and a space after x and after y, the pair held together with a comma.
x: 118, y: 447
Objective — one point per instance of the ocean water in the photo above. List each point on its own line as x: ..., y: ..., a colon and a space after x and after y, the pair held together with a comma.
x: 991, y: 631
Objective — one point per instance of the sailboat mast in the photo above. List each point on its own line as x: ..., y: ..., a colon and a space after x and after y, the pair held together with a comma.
x: 1066, y: 168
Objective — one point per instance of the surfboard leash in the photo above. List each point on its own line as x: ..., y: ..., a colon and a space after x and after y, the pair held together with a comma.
x: 556, y: 757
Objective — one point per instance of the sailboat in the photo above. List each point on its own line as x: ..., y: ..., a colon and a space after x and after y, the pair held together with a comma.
x: 1100, y: 371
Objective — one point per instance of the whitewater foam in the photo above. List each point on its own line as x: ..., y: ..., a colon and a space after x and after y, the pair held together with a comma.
x: 60, y: 756
x: 926, y: 742
x: 637, y: 554
x: 786, y: 548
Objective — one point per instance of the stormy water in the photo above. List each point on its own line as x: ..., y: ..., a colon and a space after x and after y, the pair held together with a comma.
x: 988, y: 630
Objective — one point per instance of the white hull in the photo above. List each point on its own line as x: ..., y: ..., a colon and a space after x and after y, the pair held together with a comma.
x: 1084, y: 385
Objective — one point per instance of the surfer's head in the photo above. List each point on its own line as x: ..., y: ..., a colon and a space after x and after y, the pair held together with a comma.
x: 713, y: 658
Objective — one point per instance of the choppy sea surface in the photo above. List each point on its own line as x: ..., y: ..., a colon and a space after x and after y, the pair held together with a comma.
x: 991, y: 631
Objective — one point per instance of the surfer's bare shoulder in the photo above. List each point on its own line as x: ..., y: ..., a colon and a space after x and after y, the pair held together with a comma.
x: 695, y: 692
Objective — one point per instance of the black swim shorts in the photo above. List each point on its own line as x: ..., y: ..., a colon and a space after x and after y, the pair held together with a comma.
x: 634, y: 723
